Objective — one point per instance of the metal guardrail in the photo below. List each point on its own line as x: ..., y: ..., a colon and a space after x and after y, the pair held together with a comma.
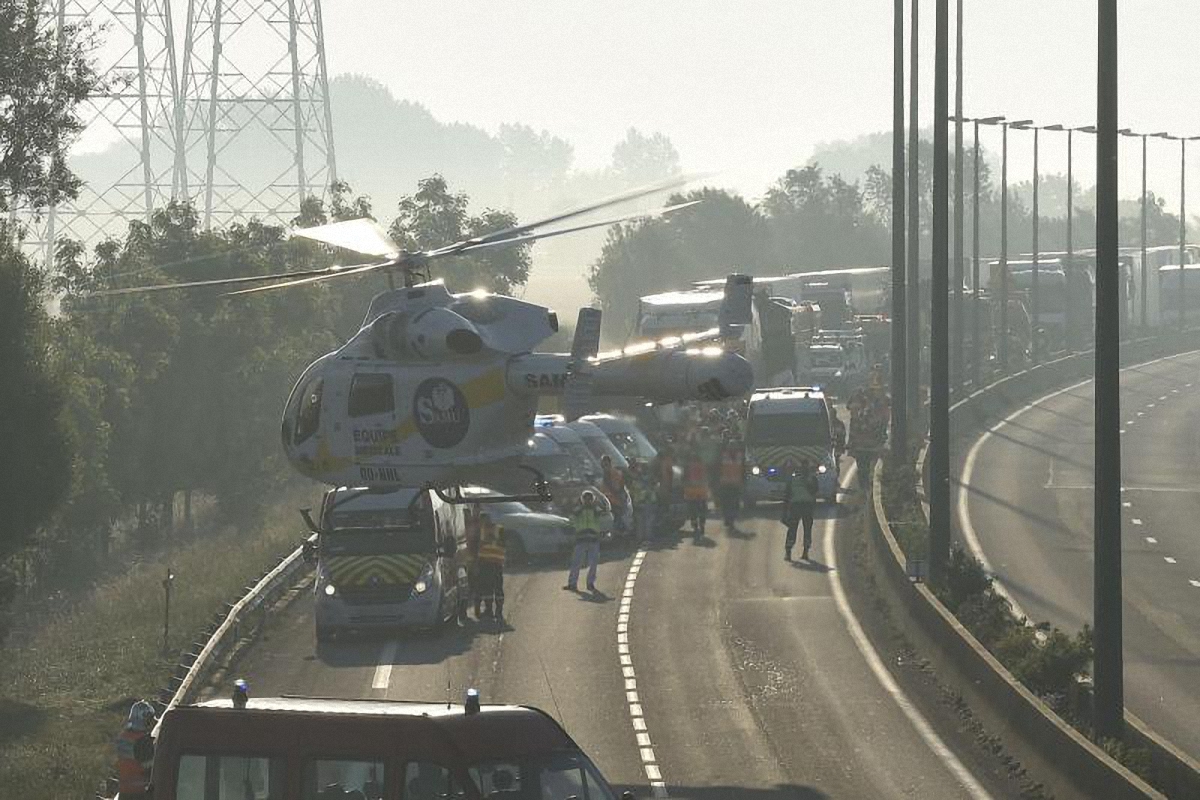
x: 225, y: 631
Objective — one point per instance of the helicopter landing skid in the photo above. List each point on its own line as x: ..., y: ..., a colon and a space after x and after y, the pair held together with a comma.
x: 452, y: 493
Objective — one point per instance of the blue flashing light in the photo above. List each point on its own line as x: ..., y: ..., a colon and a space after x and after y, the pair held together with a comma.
x: 241, y: 693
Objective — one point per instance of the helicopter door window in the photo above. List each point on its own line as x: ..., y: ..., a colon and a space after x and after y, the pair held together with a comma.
x: 309, y: 418
x: 371, y: 393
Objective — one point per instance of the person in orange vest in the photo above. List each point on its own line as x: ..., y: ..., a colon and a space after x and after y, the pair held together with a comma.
x: 135, y: 751
x: 612, y: 483
x: 662, y: 478
x: 731, y: 473
x: 489, y: 569
x: 695, y: 492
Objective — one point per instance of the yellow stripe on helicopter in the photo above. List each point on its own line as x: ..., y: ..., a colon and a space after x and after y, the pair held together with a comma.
x: 481, y: 391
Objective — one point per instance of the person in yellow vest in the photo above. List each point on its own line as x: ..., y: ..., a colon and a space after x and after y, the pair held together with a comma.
x: 695, y: 493
x: 731, y: 473
x: 489, y: 569
x: 586, y: 522
x: 135, y: 751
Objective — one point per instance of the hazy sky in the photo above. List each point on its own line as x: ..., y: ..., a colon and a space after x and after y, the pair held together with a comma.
x: 748, y: 88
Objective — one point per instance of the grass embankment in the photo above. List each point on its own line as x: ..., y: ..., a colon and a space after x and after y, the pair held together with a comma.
x: 65, y: 690
x: 1046, y: 660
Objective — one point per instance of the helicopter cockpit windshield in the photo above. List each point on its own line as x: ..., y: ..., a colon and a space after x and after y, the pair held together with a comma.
x: 308, y: 418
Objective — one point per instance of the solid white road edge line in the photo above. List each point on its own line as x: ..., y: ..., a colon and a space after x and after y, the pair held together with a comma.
x: 924, y: 729
x: 964, y: 484
x: 383, y: 672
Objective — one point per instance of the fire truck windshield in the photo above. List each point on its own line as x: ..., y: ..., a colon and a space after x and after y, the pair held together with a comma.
x: 545, y: 776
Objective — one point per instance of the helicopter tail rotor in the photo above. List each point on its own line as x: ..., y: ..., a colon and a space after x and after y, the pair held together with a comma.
x: 584, y: 346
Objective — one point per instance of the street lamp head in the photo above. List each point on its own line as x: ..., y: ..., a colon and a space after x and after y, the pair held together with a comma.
x: 1159, y: 135
x: 1054, y: 127
x: 990, y: 120
x: 1021, y: 123
x: 1086, y: 129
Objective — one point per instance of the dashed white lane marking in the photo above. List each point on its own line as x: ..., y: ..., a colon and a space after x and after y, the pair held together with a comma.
x: 1126, y: 503
x: 1195, y: 583
x: 964, y: 495
x: 383, y: 672
x: 1164, y: 397
x: 1151, y: 405
x: 636, y: 714
x: 1169, y: 560
x: 924, y: 729
x: 1141, y: 413
x: 1136, y: 521
x: 1151, y: 540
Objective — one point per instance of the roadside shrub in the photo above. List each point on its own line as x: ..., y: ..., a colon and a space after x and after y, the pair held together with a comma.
x: 965, y: 580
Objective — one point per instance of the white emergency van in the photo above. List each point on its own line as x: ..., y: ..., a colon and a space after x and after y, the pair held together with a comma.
x: 784, y: 426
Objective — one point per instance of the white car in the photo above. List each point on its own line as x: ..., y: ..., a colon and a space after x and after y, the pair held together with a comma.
x: 528, y: 533
x: 531, y: 533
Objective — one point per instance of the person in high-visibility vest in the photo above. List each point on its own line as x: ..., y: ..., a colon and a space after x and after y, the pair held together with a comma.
x: 489, y: 569
x: 662, y: 478
x: 731, y: 474
x: 135, y: 751
x: 613, y: 486
x: 799, y: 502
x: 695, y: 493
x: 644, y: 504
x: 586, y: 522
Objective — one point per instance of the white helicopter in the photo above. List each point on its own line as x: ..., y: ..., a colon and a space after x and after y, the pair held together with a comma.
x: 440, y: 389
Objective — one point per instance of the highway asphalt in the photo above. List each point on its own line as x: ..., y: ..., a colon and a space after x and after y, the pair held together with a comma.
x: 1026, y: 491
x: 708, y: 671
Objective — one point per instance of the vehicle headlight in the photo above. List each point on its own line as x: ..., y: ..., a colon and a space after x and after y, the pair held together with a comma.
x: 423, y: 580
x: 755, y: 470
x: 822, y: 469
x: 330, y: 589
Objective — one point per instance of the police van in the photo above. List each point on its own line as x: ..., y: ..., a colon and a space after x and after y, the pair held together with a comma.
x: 393, y: 559
x: 784, y: 426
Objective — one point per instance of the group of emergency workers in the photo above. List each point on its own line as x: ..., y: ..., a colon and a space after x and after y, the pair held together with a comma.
x: 870, y: 412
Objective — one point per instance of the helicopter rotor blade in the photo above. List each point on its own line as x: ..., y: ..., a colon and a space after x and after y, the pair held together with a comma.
x: 162, y: 287
x: 518, y: 230
x: 359, y: 235
x: 332, y: 272
x: 659, y: 212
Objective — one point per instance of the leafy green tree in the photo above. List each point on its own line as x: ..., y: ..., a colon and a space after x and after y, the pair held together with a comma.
x: 721, y: 234
x: 822, y: 221
x: 435, y: 216
x: 44, y: 75
x: 36, y: 471
x: 639, y: 159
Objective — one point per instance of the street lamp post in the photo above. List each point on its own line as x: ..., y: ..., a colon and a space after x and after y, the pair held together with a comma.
x: 913, y: 295
x: 899, y: 448
x: 976, y: 350
x: 1108, y: 663
x: 1034, y: 294
x: 959, y: 277
x: 1004, y: 334
x: 939, y: 350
